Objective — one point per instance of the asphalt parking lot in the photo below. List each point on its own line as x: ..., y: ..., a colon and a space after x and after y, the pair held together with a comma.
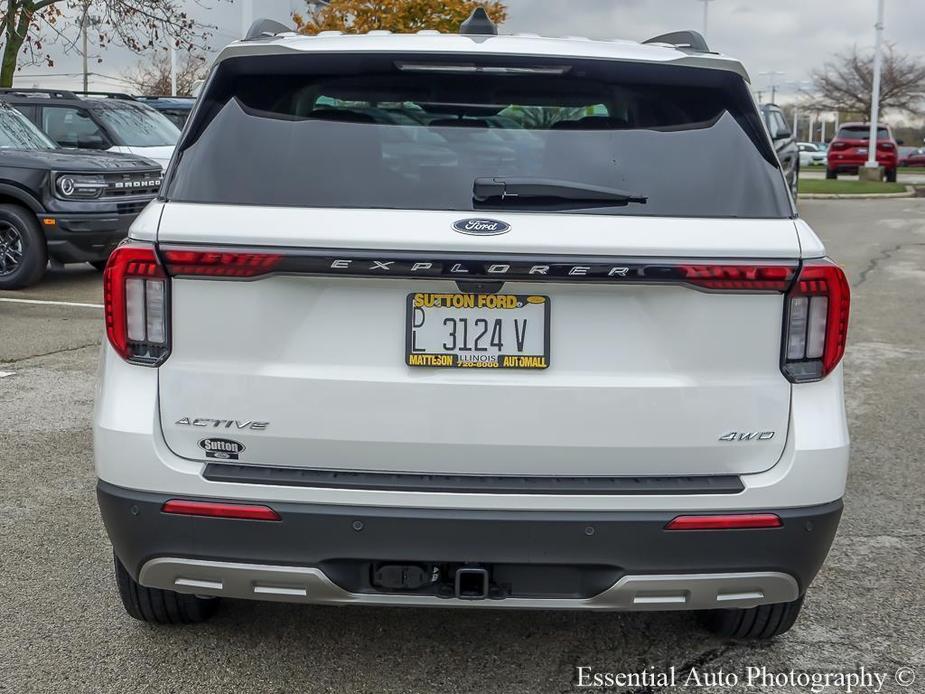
x: 62, y: 627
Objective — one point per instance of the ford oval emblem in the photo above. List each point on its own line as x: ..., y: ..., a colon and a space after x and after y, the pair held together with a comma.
x: 481, y: 227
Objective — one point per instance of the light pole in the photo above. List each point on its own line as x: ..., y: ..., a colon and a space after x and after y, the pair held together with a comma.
x: 871, y: 164
x: 247, y: 16
x: 706, y: 15
x: 173, y: 68
x: 83, y: 39
x: 772, y: 81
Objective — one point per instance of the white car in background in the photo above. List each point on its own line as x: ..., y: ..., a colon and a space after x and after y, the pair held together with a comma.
x: 811, y: 154
x: 342, y: 373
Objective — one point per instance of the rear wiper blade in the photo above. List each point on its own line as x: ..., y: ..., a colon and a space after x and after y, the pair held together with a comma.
x: 509, y: 188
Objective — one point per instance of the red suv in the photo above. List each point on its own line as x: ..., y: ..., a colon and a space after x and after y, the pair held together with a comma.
x: 848, y: 151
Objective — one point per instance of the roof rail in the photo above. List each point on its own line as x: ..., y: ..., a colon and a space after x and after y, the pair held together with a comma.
x: 149, y: 97
x: 691, y: 40
x: 55, y: 93
x: 265, y: 28
x: 108, y: 95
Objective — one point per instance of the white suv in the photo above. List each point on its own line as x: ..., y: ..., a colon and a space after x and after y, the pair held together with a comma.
x: 473, y: 320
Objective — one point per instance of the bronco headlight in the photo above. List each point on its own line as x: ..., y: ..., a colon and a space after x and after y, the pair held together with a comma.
x: 79, y: 186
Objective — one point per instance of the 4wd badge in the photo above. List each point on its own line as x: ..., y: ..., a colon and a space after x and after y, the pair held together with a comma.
x: 223, y: 449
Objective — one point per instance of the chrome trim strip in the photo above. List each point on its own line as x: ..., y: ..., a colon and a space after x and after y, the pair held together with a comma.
x: 311, y: 585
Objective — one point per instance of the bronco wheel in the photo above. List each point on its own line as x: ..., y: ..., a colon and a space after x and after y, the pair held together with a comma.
x: 23, y: 255
x: 160, y: 606
x: 762, y: 622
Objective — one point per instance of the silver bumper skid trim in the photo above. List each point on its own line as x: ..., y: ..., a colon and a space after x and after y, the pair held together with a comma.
x: 311, y: 585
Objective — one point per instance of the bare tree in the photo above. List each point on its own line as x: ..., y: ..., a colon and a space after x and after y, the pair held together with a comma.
x: 845, y: 83
x: 151, y: 75
x: 135, y: 24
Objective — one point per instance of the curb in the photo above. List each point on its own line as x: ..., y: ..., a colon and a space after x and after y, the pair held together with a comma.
x: 910, y: 193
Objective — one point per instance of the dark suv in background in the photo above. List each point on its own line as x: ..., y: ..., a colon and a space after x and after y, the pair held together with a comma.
x: 97, y: 120
x: 176, y: 108
x: 785, y: 144
x: 69, y: 206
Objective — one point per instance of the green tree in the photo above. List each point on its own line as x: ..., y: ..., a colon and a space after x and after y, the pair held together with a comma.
x: 135, y: 24
x: 400, y: 16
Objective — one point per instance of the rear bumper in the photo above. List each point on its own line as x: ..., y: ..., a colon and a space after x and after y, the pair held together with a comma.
x: 558, y: 559
x: 852, y: 164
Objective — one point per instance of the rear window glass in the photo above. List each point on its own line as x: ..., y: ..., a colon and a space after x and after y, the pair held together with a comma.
x: 861, y: 132
x: 415, y: 132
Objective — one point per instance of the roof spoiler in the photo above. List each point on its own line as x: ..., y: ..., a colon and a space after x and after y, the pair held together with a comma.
x: 265, y: 28
x: 691, y: 40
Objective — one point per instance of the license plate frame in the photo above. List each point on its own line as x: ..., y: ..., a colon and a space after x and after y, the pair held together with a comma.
x: 510, y: 361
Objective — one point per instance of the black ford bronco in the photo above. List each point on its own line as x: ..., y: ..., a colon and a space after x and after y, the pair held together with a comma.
x: 63, y: 205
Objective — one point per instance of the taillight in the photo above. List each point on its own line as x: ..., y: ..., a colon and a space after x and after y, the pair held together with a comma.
x: 886, y: 146
x: 838, y: 145
x: 815, y: 322
x: 739, y: 277
x: 219, y: 263
x: 135, y: 295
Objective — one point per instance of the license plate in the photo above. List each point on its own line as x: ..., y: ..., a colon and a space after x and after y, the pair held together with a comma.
x: 488, y: 331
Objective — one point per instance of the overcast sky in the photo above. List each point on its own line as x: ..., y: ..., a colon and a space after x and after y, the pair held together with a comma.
x: 787, y: 36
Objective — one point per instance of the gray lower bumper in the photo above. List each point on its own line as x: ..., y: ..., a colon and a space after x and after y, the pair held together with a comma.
x: 311, y: 585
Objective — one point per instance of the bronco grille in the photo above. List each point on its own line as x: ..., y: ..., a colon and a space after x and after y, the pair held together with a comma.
x: 134, y: 183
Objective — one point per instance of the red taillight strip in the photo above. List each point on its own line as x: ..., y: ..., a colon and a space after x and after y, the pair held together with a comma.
x: 219, y: 263
x: 737, y: 521
x: 740, y: 277
x: 238, y: 263
x: 217, y: 509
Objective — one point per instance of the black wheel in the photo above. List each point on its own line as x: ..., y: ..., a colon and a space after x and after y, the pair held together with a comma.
x: 160, y: 606
x: 762, y: 622
x: 831, y: 174
x: 891, y: 175
x: 23, y: 254
x: 99, y: 264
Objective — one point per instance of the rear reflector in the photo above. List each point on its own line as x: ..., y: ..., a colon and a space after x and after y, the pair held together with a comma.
x: 726, y: 522
x: 815, y: 322
x: 216, y: 509
x: 219, y: 263
x: 135, y: 304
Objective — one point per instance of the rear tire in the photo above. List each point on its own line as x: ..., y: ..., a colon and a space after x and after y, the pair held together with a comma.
x: 762, y: 622
x: 831, y: 174
x: 23, y: 253
x: 891, y: 175
x: 160, y: 606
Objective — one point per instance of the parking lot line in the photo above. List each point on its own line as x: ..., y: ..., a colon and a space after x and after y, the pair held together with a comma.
x: 49, y: 303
